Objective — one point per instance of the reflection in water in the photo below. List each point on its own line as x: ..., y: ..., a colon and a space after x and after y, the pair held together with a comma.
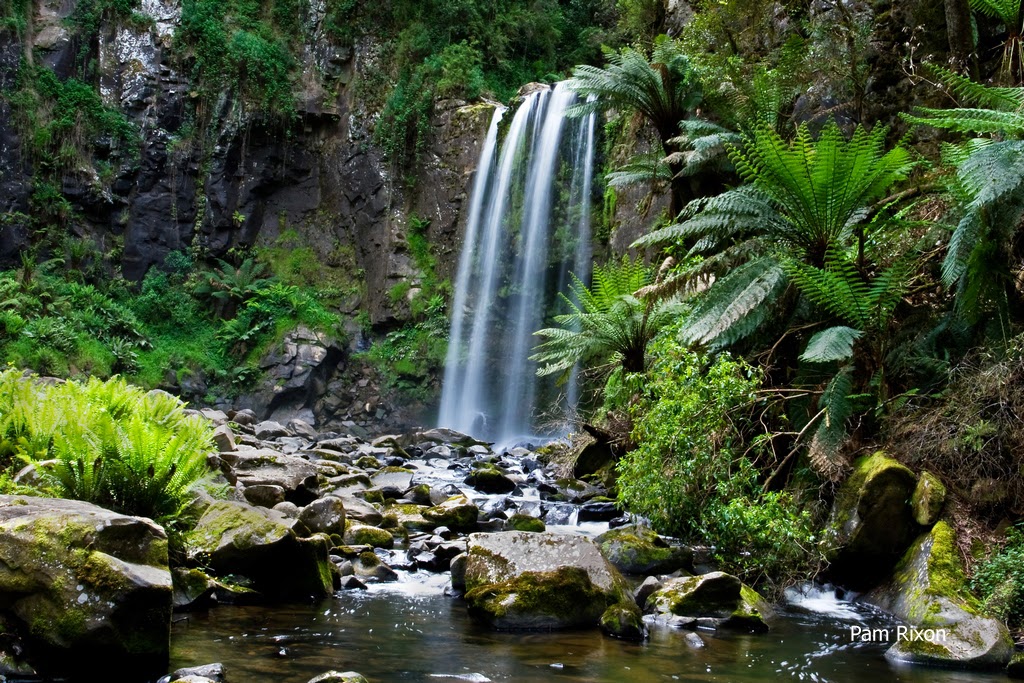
x: 412, y: 632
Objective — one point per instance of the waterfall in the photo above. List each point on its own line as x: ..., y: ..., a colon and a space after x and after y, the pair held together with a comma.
x: 528, y: 225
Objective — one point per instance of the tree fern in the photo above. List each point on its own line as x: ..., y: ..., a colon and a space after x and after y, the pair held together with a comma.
x: 832, y: 344
x: 836, y: 410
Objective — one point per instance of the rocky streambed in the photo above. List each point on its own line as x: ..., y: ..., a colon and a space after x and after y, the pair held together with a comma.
x: 427, y: 556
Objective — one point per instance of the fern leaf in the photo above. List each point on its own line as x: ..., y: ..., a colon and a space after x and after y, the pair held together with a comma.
x: 833, y: 344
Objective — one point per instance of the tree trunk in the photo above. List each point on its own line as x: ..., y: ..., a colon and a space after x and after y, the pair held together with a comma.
x: 961, y: 38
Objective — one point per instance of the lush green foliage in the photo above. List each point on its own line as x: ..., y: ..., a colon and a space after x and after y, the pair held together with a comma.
x: 690, y: 476
x: 608, y: 325
x: 110, y: 443
x: 999, y: 580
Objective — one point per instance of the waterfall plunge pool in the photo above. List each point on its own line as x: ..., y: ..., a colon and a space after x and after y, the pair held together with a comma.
x: 412, y: 631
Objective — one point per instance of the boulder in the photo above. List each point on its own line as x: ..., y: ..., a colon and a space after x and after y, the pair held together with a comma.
x: 234, y: 538
x: 591, y: 455
x: 363, y: 534
x: 871, y: 523
x: 297, y: 476
x: 324, y: 515
x: 456, y: 513
x: 359, y: 510
x: 336, y: 677
x: 211, y: 672
x: 521, y: 580
x: 928, y: 499
x: 928, y: 591
x: 639, y: 550
x: 269, y: 429
x: 490, y: 480
x: 264, y: 495
x: 521, y: 522
x: 192, y: 589
x: 717, y: 599
x: 84, y: 586
x: 224, y: 439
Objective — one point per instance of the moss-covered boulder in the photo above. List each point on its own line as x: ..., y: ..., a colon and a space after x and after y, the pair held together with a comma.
x: 409, y: 517
x: 84, y: 586
x: 718, y: 599
x: 928, y: 499
x: 624, y: 620
x: 872, y: 523
x: 638, y: 550
x: 521, y: 522
x: 363, y: 534
x: 234, y: 538
x: 456, y: 513
x: 521, y: 580
x: 490, y: 480
x: 928, y: 591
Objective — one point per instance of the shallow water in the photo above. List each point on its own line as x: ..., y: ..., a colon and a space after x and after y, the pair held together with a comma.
x: 411, y: 631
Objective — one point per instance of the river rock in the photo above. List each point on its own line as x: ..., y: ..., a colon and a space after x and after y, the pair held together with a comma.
x: 88, y: 583
x: 210, y: 672
x: 872, y: 523
x: 269, y: 429
x: 521, y: 580
x: 359, y: 510
x: 521, y: 522
x: 456, y: 513
x: 364, y: 534
x: 490, y: 480
x: 717, y: 599
x: 297, y: 476
x: 336, y: 677
x: 192, y: 589
x: 638, y: 550
x: 928, y: 591
x: 234, y: 538
x: 324, y: 515
x: 264, y: 495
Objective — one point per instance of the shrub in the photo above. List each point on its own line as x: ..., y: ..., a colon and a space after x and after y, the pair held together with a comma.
x: 111, y: 443
x: 689, y: 474
x: 999, y: 580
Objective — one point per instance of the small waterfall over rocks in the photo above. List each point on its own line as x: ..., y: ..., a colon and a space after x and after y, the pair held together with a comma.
x: 528, y: 226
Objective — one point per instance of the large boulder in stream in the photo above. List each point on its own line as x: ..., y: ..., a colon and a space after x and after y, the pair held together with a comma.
x: 457, y: 513
x: 872, y: 522
x: 266, y: 467
x: 927, y: 590
x: 83, y: 586
x: 234, y: 538
x: 715, y: 600
x: 523, y: 580
x: 639, y: 550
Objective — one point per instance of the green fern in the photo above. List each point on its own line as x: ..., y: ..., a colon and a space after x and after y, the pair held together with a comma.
x: 833, y: 344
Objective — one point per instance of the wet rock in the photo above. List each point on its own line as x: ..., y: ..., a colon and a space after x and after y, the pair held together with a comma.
x: 518, y: 580
x: 457, y: 566
x: 369, y: 566
x: 456, y: 513
x: 192, y: 589
x: 410, y: 517
x: 224, y: 439
x: 928, y: 591
x: 590, y: 455
x: 362, y: 534
x: 397, y: 478
x: 233, y: 538
x: 624, y: 620
x: 719, y: 597
x: 639, y: 550
x: 490, y: 480
x: 211, y: 672
x: 336, y: 677
x: 928, y: 500
x: 85, y: 582
x: 350, y: 583
x: 429, y: 561
x: 324, y: 515
x: 359, y: 510
x: 602, y: 511
x: 872, y: 523
x: 520, y: 522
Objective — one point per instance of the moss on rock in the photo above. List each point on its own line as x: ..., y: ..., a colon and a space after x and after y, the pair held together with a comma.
x: 521, y: 522
x: 638, y: 550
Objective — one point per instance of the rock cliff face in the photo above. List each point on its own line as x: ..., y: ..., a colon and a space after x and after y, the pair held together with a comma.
x: 216, y: 175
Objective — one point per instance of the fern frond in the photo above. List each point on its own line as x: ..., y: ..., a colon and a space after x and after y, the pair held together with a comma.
x: 832, y: 344
x: 824, y: 452
x: 735, y: 306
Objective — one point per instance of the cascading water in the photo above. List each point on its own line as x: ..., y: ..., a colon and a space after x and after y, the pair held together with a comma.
x: 528, y: 226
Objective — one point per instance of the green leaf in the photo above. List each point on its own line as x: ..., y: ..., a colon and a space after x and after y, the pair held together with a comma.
x: 835, y: 343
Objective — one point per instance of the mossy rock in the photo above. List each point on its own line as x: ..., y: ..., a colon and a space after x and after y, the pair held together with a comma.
x: 563, y: 598
x: 518, y: 579
x: 456, y: 513
x: 338, y: 677
x: 872, y: 522
x: 718, y: 596
x: 521, y: 522
x: 363, y: 534
x: 233, y: 538
x: 638, y: 550
x: 928, y: 590
x: 84, y: 586
x: 490, y: 480
x: 624, y: 620
x: 928, y: 499
x: 410, y: 517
